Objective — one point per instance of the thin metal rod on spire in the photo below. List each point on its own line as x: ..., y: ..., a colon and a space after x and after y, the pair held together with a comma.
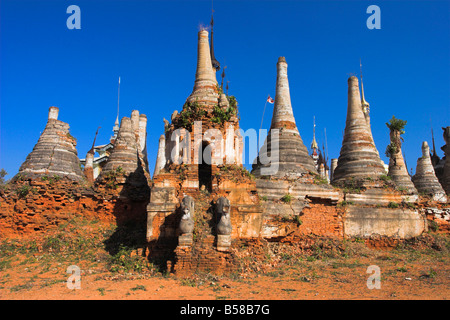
x: 262, y: 118
x: 361, y: 76
x: 93, y: 143
x: 118, y: 100
x: 314, y: 127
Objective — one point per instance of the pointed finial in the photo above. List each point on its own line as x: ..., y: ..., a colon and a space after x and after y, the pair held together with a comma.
x: 91, y: 151
x: 116, y: 123
x: 365, y: 105
x: 314, y: 142
x: 223, y: 76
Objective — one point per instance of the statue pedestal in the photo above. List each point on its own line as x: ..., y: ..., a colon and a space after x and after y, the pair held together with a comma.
x: 185, y: 240
x: 223, y: 242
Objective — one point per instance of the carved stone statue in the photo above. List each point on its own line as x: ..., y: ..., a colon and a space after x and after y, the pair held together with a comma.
x: 223, y: 212
x: 187, y: 222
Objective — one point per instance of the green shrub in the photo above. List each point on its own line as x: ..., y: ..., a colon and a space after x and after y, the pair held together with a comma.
x: 396, y: 124
x: 123, y: 261
x: 23, y: 191
x: 393, y: 205
x: 286, y: 198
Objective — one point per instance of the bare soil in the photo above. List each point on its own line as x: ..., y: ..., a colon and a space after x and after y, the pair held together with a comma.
x: 36, y: 269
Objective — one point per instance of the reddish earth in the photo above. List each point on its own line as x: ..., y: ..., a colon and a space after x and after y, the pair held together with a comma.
x: 278, y: 272
x: 345, y: 284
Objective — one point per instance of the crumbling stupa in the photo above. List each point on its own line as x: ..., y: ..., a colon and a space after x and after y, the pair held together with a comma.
x: 284, y: 145
x: 397, y: 167
x: 359, y: 158
x: 55, y: 153
x: 129, y: 152
x: 286, y: 175
x: 425, y: 179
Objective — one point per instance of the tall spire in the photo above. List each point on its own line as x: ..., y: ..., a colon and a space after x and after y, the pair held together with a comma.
x: 293, y: 156
x: 283, y: 116
x: 359, y: 157
x: 205, y: 86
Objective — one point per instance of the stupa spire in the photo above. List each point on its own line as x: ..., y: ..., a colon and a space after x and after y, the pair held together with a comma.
x: 205, y: 86
x: 425, y: 179
x: 359, y: 157
x: 293, y: 157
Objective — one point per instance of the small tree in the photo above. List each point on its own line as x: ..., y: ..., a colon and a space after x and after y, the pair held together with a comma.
x: 396, y: 124
x: 3, y: 174
x: 397, y: 128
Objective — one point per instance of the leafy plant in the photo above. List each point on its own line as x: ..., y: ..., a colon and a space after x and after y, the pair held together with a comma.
x: 112, y: 176
x: 345, y: 203
x: 191, y: 112
x: 286, y: 198
x: 385, y: 177
x: 391, y: 149
x: 396, y: 124
x: 393, y: 205
x: 319, y: 180
x: 3, y: 173
x: 23, y: 191
x: 123, y: 261
x: 221, y: 115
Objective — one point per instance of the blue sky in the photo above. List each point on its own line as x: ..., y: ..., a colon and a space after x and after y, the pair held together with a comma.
x: 152, y: 46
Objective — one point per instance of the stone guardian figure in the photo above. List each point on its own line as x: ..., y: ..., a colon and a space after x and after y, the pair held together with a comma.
x: 186, y: 226
x: 224, y: 228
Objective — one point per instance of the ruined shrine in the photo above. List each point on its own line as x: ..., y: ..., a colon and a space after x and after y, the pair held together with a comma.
x: 200, y: 202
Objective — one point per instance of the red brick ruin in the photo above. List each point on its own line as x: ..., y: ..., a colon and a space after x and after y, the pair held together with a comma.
x: 202, y: 202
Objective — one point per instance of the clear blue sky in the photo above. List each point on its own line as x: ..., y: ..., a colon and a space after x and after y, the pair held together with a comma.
x: 152, y: 46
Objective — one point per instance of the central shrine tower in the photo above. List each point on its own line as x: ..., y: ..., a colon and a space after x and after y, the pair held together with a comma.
x: 199, y: 162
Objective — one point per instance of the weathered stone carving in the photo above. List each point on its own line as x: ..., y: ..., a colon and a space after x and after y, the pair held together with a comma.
x: 224, y: 227
x: 223, y: 213
x: 186, y: 226
x: 187, y: 221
